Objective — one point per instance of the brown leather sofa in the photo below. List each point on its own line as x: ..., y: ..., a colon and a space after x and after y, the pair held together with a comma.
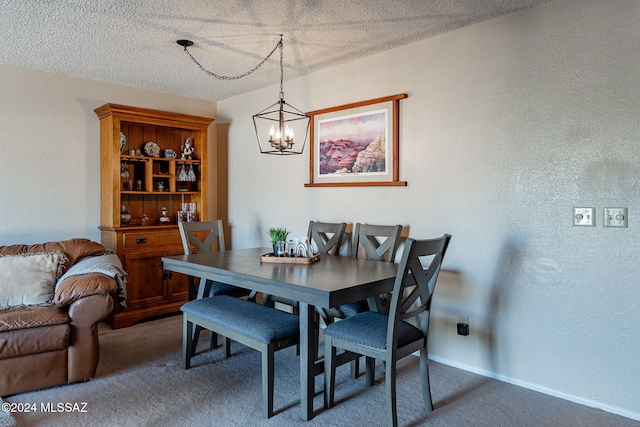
x: 55, y: 344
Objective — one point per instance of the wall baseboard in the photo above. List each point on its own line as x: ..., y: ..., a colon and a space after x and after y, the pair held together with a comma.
x: 537, y: 387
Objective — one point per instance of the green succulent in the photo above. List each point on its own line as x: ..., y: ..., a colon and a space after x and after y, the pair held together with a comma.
x: 278, y: 234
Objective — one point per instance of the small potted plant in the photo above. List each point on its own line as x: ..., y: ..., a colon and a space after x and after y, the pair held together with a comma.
x: 278, y: 238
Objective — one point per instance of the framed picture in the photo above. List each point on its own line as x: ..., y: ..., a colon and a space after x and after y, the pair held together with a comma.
x: 356, y: 144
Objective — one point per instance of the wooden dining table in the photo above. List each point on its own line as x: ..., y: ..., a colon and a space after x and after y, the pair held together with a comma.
x: 329, y: 282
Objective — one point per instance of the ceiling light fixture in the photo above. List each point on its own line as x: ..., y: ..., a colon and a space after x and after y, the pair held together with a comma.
x: 279, y: 121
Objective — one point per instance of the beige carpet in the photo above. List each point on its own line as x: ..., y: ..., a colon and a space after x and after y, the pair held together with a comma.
x: 6, y: 420
x: 140, y: 382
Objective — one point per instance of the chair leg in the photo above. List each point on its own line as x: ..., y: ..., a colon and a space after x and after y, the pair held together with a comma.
x: 354, y: 368
x: 193, y: 289
x: 195, y: 336
x: 370, y: 370
x: 329, y: 372
x: 213, y: 340
x: 187, y: 341
x: 316, y: 332
x: 390, y: 385
x: 267, y: 380
x: 226, y: 345
x: 424, y: 380
x: 267, y: 301
x: 295, y: 310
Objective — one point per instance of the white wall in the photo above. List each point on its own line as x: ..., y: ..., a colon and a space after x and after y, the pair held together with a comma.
x: 508, y: 125
x: 50, y: 151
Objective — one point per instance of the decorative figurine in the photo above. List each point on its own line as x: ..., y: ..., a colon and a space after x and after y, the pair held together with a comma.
x: 125, y: 215
x: 164, y: 219
x: 188, y: 150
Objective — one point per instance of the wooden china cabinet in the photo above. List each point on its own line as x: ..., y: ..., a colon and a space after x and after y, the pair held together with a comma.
x: 142, y: 174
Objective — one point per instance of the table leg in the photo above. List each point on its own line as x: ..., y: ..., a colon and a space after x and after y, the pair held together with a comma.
x: 307, y: 360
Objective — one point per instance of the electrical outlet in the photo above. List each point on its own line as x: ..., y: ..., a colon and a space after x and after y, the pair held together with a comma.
x: 616, y: 217
x: 463, y: 326
x: 585, y: 217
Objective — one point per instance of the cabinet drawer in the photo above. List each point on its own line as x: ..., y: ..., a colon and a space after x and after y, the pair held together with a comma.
x: 151, y: 239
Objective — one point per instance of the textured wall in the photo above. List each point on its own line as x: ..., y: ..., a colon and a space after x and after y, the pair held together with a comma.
x: 508, y: 125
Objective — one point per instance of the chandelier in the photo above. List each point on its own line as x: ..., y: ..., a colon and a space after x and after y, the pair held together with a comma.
x: 280, y: 127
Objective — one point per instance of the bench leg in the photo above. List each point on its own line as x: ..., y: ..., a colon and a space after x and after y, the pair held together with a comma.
x: 267, y: 380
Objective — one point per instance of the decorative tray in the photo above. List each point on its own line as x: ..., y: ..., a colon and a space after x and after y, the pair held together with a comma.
x: 288, y: 259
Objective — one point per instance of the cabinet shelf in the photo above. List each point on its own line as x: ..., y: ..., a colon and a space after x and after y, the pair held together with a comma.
x: 126, y: 158
x: 158, y: 193
x: 129, y: 158
x: 130, y: 228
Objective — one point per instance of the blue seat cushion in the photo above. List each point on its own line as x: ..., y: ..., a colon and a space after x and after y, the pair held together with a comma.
x: 354, y: 308
x: 218, y: 288
x: 370, y: 329
x: 260, y: 323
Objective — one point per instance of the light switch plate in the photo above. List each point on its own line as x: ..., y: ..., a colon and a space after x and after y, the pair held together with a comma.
x: 616, y: 217
x: 585, y: 217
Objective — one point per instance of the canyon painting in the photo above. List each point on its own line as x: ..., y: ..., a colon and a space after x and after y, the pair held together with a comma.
x: 354, y: 144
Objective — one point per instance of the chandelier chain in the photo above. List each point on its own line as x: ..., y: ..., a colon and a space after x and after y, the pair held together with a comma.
x: 221, y: 77
x: 281, y: 71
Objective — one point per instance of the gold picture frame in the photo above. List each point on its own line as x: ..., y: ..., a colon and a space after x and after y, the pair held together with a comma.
x: 356, y: 144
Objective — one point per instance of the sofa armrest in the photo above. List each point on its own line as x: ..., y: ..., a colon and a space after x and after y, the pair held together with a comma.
x: 75, y: 287
x: 84, y: 348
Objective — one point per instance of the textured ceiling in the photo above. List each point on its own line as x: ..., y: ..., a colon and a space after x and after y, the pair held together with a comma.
x: 133, y: 42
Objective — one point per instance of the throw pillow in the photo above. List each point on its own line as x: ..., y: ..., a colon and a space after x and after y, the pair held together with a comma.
x: 29, y: 278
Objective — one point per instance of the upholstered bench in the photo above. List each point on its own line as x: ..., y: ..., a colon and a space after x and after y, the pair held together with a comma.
x: 262, y: 328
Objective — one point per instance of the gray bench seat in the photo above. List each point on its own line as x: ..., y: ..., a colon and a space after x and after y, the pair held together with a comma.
x: 262, y: 328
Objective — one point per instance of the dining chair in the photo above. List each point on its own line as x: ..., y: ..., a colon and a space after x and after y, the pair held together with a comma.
x: 262, y: 328
x: 213, y: 233
x: 378, y: 242
x: 327, y: 237
x: 390, y: 337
